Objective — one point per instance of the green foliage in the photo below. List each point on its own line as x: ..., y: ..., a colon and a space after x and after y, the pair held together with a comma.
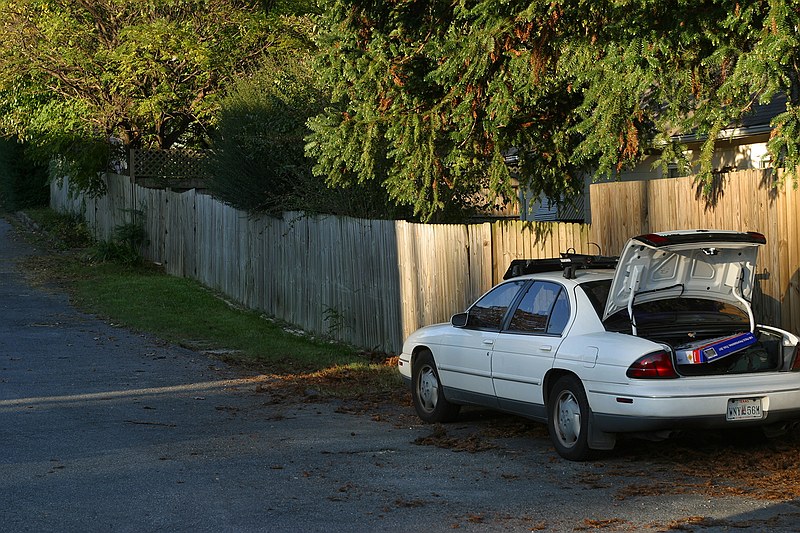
x: 429, y: 96
x: 23, y: 182
x: 258, y: 163
x: 258, y: 156
x: 126, y: 246
x: 75, y: 74
x: 335, y: 320
x: 68, y: 230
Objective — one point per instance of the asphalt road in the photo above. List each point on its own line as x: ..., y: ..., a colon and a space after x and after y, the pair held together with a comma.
x: 103, y: 429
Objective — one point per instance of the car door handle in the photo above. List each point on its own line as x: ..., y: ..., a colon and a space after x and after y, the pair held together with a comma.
x: 546, y: 348
x: 488, y: 341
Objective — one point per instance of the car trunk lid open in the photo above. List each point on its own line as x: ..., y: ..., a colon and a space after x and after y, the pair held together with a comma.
x: 716, y: 265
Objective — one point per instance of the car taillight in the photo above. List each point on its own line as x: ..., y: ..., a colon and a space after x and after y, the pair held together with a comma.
x: 656, y: 365
x: 654, y: 239
x: 758, y: 237
x: 796, y: 361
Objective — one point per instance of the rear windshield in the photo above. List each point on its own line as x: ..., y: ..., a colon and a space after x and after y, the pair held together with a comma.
x: 666, y: 313
x: 693, y: 313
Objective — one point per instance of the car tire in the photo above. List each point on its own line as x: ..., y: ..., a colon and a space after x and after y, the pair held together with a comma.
x: 568, y: 419
x: 426, y: 391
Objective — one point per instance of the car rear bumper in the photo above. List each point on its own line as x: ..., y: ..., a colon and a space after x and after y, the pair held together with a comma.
x: 611, y: 423
x: 675, y: 406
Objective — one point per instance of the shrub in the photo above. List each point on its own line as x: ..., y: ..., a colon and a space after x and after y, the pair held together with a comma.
x: 23, y: 183
x: 126, y: 245
x: 259, y: 163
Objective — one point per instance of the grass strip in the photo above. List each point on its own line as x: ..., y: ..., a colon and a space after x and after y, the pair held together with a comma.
x: 182, y: 311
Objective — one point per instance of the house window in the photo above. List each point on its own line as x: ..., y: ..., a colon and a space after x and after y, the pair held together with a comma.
x: 672, y: 170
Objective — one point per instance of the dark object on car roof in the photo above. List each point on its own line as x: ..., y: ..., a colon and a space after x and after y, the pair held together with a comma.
x: 568, y: 262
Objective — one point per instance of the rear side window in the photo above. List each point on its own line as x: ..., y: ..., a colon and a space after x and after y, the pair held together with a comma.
x: 543, y: 309
x: 597, y: 291
x: 489, y: 311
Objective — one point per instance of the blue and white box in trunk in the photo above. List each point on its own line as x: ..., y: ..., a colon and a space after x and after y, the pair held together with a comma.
x: 710, y: 350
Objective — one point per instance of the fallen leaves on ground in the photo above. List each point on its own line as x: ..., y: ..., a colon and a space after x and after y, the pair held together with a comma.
x: 458, y: 443
x: 589, y: 524
x: 362, y: 389
x: 716, y: 464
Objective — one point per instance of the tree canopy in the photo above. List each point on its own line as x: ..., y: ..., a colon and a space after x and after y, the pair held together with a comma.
x: 74, y: 74
x: 258, y: 164
x: 430, y: 97
x: 427, y: 98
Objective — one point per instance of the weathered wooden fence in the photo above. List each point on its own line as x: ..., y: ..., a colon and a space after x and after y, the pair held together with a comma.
x: 372, y: 282
x: 744, y: 201
x: 366, y: 282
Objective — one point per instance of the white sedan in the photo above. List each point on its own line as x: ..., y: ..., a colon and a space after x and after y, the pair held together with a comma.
x: 665, y: 340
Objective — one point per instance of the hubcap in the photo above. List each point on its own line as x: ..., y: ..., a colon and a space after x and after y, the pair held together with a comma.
x: 428, y: 389
x: 569, y: 419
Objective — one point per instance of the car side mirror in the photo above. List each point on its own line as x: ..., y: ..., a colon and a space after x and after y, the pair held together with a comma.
x: 459, y: 320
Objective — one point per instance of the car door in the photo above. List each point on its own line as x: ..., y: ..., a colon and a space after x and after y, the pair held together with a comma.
x: 526, y: 347
x: 464, y: 358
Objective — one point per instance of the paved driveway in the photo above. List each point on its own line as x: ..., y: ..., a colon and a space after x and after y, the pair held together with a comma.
x: 103, y: 429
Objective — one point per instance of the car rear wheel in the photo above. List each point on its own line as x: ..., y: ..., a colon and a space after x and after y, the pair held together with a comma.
x: 426, y: 391
x: 568, y: 419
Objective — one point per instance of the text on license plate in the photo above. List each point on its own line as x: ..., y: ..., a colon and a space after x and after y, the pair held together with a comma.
x: 744, y: 409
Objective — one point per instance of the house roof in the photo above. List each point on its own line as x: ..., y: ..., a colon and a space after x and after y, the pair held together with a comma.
x: 756, y: 122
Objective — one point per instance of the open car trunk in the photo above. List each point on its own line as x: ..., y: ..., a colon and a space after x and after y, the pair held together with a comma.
x: 691, y: 291
x: 683, y: 324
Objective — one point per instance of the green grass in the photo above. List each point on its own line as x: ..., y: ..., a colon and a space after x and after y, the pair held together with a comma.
x: 183, y: 312
x: 66, y: 231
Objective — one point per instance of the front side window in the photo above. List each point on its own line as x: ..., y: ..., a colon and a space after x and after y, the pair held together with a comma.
x: 543, y: 309
x: 489, y: 311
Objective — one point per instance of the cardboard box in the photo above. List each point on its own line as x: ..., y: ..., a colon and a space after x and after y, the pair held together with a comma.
x: 710, y: 350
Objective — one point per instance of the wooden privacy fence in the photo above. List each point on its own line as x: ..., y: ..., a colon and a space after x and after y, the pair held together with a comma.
x: 744, y: 201
x: 372, y: 282
x: 366, y: 282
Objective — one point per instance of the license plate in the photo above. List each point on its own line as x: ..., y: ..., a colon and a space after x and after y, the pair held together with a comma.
x: 744, y: 409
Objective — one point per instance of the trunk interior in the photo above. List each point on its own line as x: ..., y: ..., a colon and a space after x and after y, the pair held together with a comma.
x: 685, y: 322
x: 763, y: 356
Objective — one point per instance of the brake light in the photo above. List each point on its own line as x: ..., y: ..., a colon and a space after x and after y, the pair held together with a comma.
x: 758, y: 237
x: 654, y: 239
x: 656, y: 365
x: 796, y: 361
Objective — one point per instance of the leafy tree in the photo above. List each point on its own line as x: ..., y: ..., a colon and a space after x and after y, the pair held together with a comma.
x: 652, y: 70
x: 258, y: 163
x: 74, y: 74
x: 429, y: 96
x: 258, y: 152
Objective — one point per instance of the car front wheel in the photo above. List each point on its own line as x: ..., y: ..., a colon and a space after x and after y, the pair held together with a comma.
x: 568, y: 419
x: 426, y: 391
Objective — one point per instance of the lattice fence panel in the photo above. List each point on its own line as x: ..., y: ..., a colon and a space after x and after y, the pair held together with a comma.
x: 168, y: 164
